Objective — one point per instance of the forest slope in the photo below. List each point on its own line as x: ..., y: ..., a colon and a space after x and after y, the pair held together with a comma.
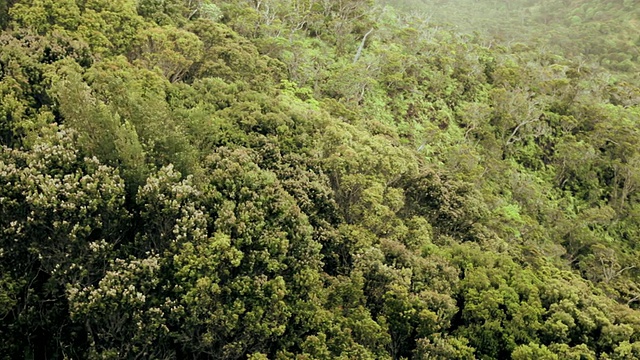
x: 589, y: 31
x: 308, y: 180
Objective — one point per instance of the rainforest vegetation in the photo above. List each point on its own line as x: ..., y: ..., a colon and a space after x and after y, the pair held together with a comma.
x: 320, y: 179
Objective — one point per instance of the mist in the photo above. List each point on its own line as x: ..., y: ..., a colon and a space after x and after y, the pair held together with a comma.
x: 604, y: 33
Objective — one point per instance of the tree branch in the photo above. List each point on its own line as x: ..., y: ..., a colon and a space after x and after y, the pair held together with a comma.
x: 361, y: 47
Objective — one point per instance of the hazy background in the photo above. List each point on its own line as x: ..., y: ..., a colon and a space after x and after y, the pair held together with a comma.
x: 603, y: 32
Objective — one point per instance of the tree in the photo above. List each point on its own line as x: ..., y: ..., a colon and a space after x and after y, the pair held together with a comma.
x: 173, y: 51
x: 533, y: 351
x: 62, y: 216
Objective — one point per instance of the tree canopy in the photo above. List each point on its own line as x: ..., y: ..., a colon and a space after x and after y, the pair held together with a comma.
x: 318, y: 179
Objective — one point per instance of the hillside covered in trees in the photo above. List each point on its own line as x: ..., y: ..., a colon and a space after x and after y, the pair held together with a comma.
x: 606, y: 33
x: 315, y: 179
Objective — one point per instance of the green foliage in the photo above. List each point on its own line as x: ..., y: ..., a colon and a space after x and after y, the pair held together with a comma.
x: 317, y: 180
x: 173, y: 51
x: 62, y: 217
x: 43, y: 16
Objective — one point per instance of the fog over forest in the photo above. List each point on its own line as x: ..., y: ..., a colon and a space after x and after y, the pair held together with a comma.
x: 603, y: 32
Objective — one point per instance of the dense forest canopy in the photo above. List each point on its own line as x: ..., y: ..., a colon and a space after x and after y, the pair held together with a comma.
x: 606, y: 33
x: 315, y: 179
